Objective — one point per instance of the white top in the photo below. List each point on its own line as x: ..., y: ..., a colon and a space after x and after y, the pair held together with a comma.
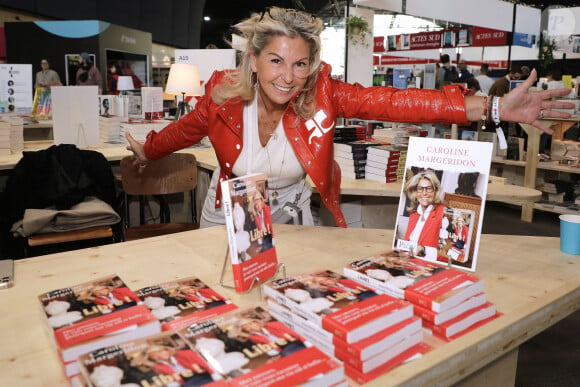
x: 485, y: 83
x: 277, y: 159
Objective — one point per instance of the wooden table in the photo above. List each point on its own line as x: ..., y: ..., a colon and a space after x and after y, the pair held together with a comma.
x: 532, y: 283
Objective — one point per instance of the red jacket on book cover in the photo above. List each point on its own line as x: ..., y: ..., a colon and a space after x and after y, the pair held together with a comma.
x: 106, y: 296
x: 430, y: 233
x: 167, y: 364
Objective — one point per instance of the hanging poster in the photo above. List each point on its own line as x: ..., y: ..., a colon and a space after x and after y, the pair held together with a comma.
x: 16, y: 88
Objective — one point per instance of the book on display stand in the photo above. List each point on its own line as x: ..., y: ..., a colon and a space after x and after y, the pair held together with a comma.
x: 251, y: 247
x: 456, y: 173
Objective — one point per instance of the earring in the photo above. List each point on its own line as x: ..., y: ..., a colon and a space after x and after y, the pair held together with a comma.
x: 254, y: 79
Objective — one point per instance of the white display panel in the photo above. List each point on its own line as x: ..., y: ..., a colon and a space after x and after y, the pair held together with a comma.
x: 75, y: 112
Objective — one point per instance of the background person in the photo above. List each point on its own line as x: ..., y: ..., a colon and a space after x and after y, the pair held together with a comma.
x: 276, y: 114
x: 88, y: 74
x: 485, y: 81
x: 46, y: 77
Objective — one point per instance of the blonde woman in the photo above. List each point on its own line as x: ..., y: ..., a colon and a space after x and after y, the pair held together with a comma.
x: 276, y: 114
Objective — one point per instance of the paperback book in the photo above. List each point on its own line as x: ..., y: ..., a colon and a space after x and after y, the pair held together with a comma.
x: 157, y: 360
x: 250, y: 232
x: 442, y: 201
x: 346, y: 308
x: 250, y: 347
x: 391, y: 271
x: 444, y: 290
x: 178, y: 304
x: 361, y: 350
x: 464, y: 323
x: 101, y: 312
x: 409, y: 355
x: 439, y: 318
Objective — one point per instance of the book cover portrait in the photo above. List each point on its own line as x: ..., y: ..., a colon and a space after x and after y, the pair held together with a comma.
x: 249, y: 226
x: 442, y: 200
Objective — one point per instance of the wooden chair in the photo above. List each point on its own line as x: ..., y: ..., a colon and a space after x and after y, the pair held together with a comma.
x: 172, y: 174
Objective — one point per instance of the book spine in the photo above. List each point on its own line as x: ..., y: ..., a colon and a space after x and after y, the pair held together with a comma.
x: 227, y: 208
x: 420, y: 299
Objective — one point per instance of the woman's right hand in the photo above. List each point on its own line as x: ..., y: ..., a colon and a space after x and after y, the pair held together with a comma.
x: 137, y: 148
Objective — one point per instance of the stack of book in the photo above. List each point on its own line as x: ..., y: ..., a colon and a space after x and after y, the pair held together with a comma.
x: 250, y: 347
x: 369, y: 332
x: 385, y: 163
x: 140, y: 129
x: 110, y: 128
x: 352, y: 157
x: 180, y: 303
x: 398, y: 136
x: 12, y: 134
x: 92, y: 315
x: 450, y: 302
x: 349, y: 133
x: 4, y: 138
x: 558, y: 191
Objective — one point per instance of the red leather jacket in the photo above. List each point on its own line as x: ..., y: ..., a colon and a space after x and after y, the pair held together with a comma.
x: 312, y: 139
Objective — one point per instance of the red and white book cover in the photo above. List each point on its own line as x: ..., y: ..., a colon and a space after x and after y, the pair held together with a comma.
x: 248, y: 218
x: 330, y: 344
x: 180, y: 303
x: 158, y: 360
x: 465, y: 322
x: 440, y: 318
x: 384, y: 356
x: 380, y: 341
x: 344, y: 307
x: 440, y: 213
x: 407, y: 356
x: 83, y: 314
x: 250, y: 347
x: 391, y: 271
x: 444, y: 290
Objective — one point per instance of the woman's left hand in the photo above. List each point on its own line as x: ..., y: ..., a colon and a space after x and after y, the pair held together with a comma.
x: 529, y: 107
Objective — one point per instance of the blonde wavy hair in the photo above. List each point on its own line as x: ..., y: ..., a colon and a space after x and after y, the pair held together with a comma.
x: 258, y: 30
x: 411, y: 189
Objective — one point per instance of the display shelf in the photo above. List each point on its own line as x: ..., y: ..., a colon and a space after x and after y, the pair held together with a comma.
x: 555, y: 166
x: 532, y: 163
x: 516, y: 163
x: 555, y: 209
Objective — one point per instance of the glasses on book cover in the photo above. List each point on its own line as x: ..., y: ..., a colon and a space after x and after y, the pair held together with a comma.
x: 427, y: 189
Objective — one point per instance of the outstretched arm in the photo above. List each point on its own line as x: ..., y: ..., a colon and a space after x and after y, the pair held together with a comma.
x: 523, y: 105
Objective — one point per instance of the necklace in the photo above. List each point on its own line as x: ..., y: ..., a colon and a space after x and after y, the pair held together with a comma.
x: 275, y: 189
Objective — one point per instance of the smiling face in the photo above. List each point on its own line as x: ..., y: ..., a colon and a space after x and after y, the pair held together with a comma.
x: 282, y: 68
x: 425, y: 193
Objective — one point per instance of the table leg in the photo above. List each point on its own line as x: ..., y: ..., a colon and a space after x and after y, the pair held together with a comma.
x: 500, y: 372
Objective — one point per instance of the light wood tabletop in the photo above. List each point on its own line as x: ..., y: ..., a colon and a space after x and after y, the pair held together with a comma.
x: 532, y: 283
